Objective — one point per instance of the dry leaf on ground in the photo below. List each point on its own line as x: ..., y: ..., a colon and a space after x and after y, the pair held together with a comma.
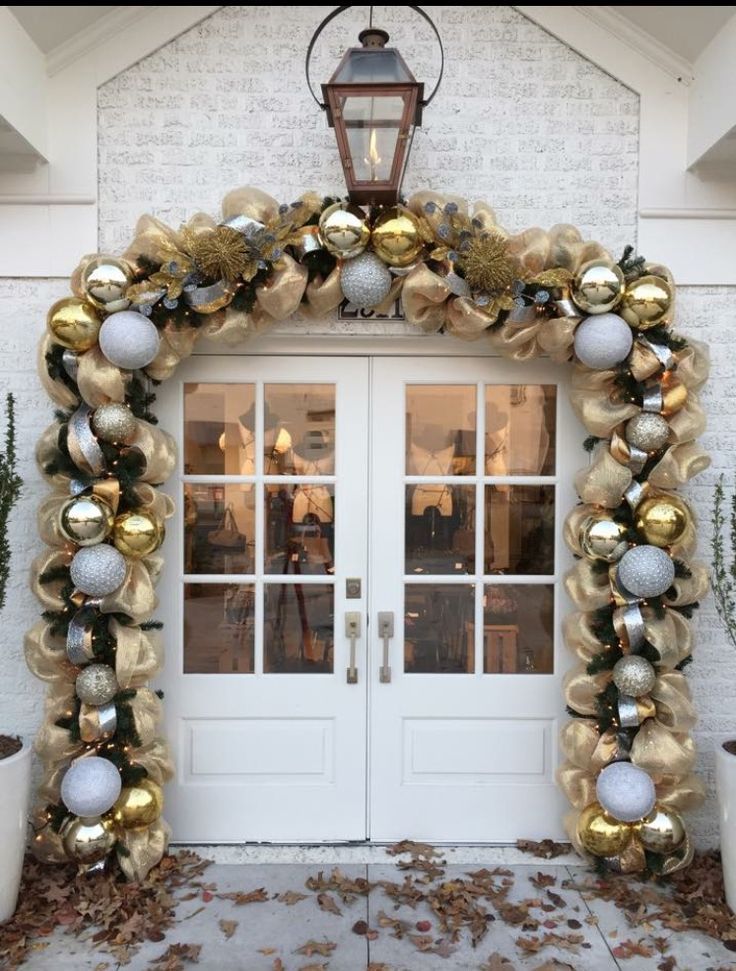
x: 327, y: 903
x: 497, y: 962
x: 290, y: 897
x: 242, y: 897
x: 176, y: 956
x: 547, y: 849
x: 322, y: 948
x: 228, y: 927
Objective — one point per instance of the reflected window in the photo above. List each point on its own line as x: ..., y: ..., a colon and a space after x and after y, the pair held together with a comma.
x: 440, y: 429
x: 518, y: 629
x: 520, y: 529
x: 440, y: 528
x: 520, y: 429
x: 219, y: 421
x: 218, y: 628
x: 299, y: 628
x: 439, y: 628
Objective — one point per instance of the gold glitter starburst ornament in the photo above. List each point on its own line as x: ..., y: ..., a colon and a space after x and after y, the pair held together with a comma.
x: 488, y: 266
x: 221, y: 253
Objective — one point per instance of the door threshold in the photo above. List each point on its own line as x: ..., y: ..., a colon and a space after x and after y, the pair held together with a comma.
x: 462, y: 854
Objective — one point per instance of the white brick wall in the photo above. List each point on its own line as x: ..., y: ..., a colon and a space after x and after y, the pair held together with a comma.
x: 520, y: 121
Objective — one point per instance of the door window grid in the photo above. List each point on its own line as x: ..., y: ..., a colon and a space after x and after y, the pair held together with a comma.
x: 482, y: 582
x: 258, y: 581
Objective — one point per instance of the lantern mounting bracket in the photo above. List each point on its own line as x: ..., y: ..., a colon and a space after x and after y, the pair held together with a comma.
x: 335, y: 13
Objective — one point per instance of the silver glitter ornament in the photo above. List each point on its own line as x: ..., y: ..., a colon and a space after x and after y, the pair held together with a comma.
x: 646, y: 571
x: 98, y: 570
x: 647, y: 431
x: 634, y: 675
x: 365, y: 280
x: 90, y: 786
x: 96, y: 684
x: 625, y: 791
x: 114, y: 423
x: 129, y: 340
x: 603, y: 341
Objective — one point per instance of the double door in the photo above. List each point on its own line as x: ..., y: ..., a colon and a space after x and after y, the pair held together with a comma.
x: 361, y: 599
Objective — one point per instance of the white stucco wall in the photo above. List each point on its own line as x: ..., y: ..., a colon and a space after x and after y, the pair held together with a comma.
x: 521, y: 121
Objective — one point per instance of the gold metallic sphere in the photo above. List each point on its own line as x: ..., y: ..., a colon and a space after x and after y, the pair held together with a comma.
x: 88, y: 840
x: 598, y: 286
x: 647, y: 302
x: 601, y: 834
x: 104, y: 281
x: 343, y: 229
x: 395, y: 237
x: 662, y: 519
x: 662, y: 831
x: 86, y: 520
x: 139, y: 805
x: 74, y: 323
x: 137, y: 533
x: 602, y: 538
x: 674, y: 394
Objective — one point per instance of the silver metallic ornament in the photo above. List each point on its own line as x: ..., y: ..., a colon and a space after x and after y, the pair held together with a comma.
x: 646, y: 571
x: 365, y: 280
x: 90, y: 786
x: 114, y: 423
x: 603, y: 341
x: 634, y: 675
x: 86, y: 520
x: 96, y: 684
x: 129, y: 340
x: 98, y: 570
x: 625, y: 791
x: 647, y: 431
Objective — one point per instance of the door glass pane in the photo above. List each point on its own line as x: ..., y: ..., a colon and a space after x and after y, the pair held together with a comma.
x: 300, y: 528
x: 440, y: 429
x: 218, y: 628
x: 219, y: 528
x: 219, y: 422
x: 440, y: 528
x: 298, y: 634
x: 299, y: 429
x: 518, y: 625
x: 439, y: 628
x: 520, y: 529
x: 520, y: 429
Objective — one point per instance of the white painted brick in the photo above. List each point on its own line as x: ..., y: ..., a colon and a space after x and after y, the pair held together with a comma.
x: 521, y: 121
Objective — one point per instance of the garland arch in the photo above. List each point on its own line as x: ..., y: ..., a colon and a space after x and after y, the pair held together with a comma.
x: 628, y: 754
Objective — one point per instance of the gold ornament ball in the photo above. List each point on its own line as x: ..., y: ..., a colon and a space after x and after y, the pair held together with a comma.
x: 114, y: 423
x: 598, y: 287
x: 662, y: 831
x: 343, y: 229
x: 601, y: 834
x: 137, y: 533
x: 139, y: 805
x: 104, y: 281
x: 86, y: 520
x: 74, y: 323
x: 88, y: 840
x: 647, y: 302
x: 662, y: 519
x: 395, y: 237
x: 602, y: 538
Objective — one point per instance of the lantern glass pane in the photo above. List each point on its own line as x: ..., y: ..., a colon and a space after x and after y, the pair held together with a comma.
x: 372, y: 125
x: 372, y: 67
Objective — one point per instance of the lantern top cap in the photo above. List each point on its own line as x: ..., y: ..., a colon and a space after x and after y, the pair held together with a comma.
x: 373, y: 37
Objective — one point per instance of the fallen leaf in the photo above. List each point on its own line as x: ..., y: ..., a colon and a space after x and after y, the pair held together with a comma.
x: 267, y: 950
x: 398, y: 927
x: 327, y: 903
x: 542, y: 880
x: 313, y: 967
x: 548, y: 849
x: 176, y: 956
x: 427, y: 945
x: 278, y: 965
x: 497, y: 962
x: 228, y: 927
x: 322, y: 948
x: 290, y: 897
x: 630, y: 949
x: 240, y: 897
x: 371, y: 935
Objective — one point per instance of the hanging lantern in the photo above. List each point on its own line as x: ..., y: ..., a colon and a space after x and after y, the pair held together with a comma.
x: 373, y: 102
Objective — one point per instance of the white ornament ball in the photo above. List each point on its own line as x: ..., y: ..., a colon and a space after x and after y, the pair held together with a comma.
x: 129, y: 340
x: 625, y: 791
x: 96, y: 684
x: 634, y: 675
x: 646, y: 571
x: 602, y: 341
x: 98, y: 570
x: 90, y: 786
x: 365, y: 280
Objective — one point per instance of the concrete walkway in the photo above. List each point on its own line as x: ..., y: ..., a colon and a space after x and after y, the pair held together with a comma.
x: 262, y: 917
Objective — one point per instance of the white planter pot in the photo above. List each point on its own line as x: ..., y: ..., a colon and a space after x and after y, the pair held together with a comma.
x: 726, y: 787
x: 15, y: 787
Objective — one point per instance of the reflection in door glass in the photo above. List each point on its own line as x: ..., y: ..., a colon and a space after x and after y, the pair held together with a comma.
x: 440, y: 429
x: 298, y: 628
x: 219, y: 528
x: 439, y: 628
x: 520, y: 529
x: 520, y: 429
x: 440, y: 528
x: 518, y: 629
x: 299, y: 429
x: 300, y: 528
x: 218, y: 628
x: 219, y: 423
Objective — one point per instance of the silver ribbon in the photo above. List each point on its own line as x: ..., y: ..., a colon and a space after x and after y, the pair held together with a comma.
x: 244, y: 224
x: 201, y: 296
x: 634, y: 495
x: 76, y: 487
x: 628, y: 714
x: 633, y: 621
x: 82, y: 444
x: 566, y: 308
x: 70, y: 363
x: 107, y: 721
x: 79, y: 637
x: 523, y: 315
x: 663, y: 354
x: 623, y: 592
x: 308, y: 241
x: 637, y: 459
x: 652, y: 399
x: 455, y: 283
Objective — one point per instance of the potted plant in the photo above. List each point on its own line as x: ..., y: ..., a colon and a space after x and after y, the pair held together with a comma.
x: 15, y: 752
x: 723, y: 581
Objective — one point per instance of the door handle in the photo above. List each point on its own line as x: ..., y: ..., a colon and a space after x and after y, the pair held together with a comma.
x: 352, y: 632
x: 385, y: 632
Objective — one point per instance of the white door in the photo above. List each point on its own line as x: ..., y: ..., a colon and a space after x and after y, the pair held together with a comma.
x: 470, y: 480
x: 268, y: 731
